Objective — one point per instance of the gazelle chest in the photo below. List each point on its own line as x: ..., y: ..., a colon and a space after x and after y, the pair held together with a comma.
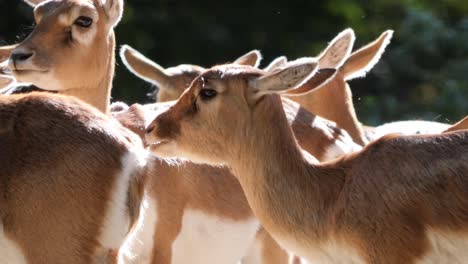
x: 330, y: 252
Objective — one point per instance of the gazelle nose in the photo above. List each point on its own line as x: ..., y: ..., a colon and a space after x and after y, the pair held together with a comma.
x: 21, y: 56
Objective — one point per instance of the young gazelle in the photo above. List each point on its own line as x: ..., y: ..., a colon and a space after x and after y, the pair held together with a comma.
x: 172, y: 81
x: 203, y: 204
x: 71, y: 49
x: 70, y: 181
x: 403, y: 199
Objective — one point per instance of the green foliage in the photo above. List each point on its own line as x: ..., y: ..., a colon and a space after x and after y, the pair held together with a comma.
x: 423, y: 73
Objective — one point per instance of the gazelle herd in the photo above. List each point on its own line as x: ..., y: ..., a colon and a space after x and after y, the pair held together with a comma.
x: 232, y: 164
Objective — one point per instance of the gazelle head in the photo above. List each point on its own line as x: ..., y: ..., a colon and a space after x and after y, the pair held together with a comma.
x: 171, y: 82
x: 70, y: 44
x: 217, y: 112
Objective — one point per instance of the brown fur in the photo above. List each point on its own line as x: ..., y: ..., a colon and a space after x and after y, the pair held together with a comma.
x: 379, y: 203
x: 60, y: 161
x: 460, y: 125
x: 82, y: 66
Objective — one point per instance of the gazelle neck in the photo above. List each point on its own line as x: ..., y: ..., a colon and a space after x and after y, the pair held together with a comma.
x: 97, y: 90
x: 279, y: 183
x: 334, y: 102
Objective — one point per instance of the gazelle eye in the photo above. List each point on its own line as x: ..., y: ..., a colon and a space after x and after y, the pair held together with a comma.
x: 207, y: 94
x: 83, y: 21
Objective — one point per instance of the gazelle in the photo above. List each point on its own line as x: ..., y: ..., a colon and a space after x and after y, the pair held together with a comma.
x: 70, y: 181
x: 71, y: 49
x: 172, y: 81
x: 402, y: 199
x: 314, y: 134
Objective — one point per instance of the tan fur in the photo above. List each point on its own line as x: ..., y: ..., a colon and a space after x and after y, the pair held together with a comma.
x: 172, y: 81
x: 61, y: 161
x: 82, y: 66
x: 460, y: 125
x: 378, y: 205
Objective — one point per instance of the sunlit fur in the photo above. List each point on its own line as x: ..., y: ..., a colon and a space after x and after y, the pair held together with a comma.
x: 388, y: 203
x: 66, y: 57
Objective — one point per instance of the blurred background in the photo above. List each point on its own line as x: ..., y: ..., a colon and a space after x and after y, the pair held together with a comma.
x: 422, y: 75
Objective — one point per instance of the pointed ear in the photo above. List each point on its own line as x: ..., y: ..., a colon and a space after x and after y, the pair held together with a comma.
x: 5, y: 80
x: 338, y: 50
x: 143, y: 67
x: 276, y: 63
x: 114, y: 11
x: 321, y: 77
x: 460, y: 125
x: 251, y: 58
x: 33, y: 3
x: 362, y: 60
x: 5, y: 52
x: 293, y: 75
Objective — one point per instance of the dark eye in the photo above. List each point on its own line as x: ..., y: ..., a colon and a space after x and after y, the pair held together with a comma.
x: 83, y: 21
x: 207, y: 94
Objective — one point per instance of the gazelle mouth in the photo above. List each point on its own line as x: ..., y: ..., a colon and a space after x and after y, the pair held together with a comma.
x: 27, y: 71
x: 158, y: 143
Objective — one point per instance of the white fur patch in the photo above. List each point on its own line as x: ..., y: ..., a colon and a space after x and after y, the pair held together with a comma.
x: 9, y: 251
x: 210, y: 239
x: 117, y: 222
x: 327, y: 253
x: 412, y: 127
x: 254, y: 255
x: 446, y: 248
x: 138, y: 245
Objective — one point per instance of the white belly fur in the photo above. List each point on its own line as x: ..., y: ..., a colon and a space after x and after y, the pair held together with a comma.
x: 139, y: 243
x: 209, y: 239
x: 446, y: 248
x: 9, y: 251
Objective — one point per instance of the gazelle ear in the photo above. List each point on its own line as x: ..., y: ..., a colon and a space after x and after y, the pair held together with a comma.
x: 143, y: 67
x: 460, y: 125
x: 362, y: 60
x: 114, y: 11
x: 5, y: 52
x: 276, y: 63
x: 33, y: 3
x: 338, y: 50
x: 292, y: 75
x: 251, y: 58
x: 5, y: 80
x: 321, y: 77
